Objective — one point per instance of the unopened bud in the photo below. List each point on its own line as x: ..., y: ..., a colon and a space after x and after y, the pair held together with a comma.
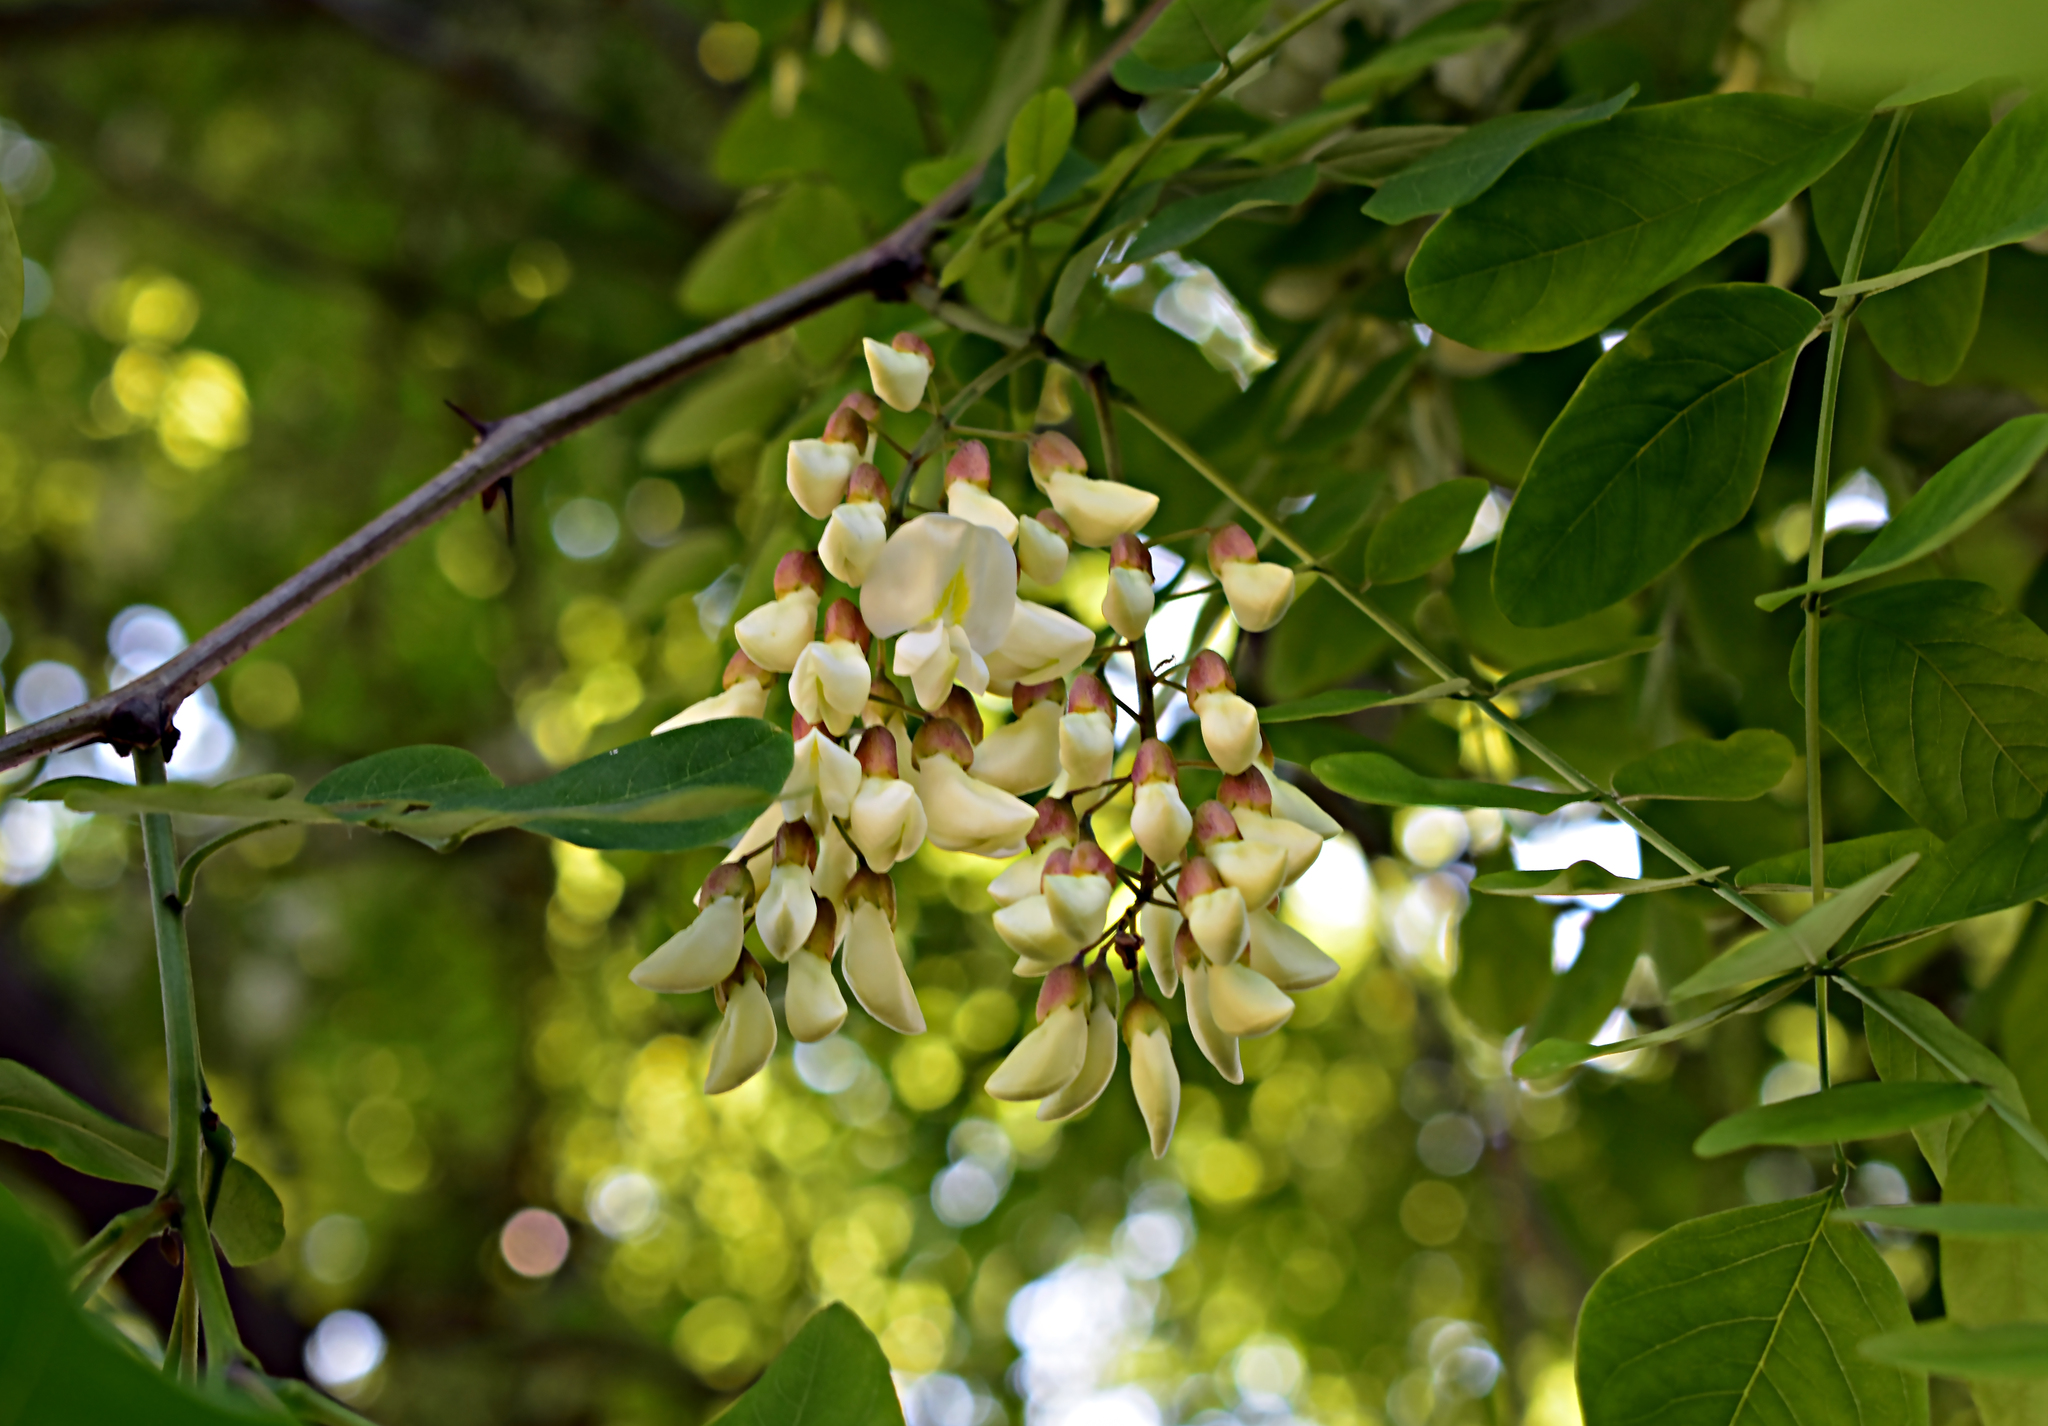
x: 1090, y: 860
x: 969, y: 463
x: 824, y: 931
x: 740, y: 669
x: 1213, y: 823
x: 877, y: 753
x: 1129, y: 552
x: 867, y: 483
x: 848, y: 427
x: 863, y: 403
x: 1052, y: 452
x: 1058, y: 862
x: 1198, y: 878
x: 843, y: 622
x: 1247, y: 789
x: 1209, y: 674
x: 962, y: 709
x: 1056, y: 823
x: 726, y: 879
x: 799, y: 569
x: 943, y: 738
x: 872, y: 888
x: 1057, y: 523
x: 912, y: 344
x: 1155, y: 763
x: 1065, y: 985
x: 1229, y: 544
x: 796, y: 844
x: 1088, y: 694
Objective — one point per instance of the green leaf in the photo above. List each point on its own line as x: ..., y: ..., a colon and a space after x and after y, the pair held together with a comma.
x: 1954, y: 1220
x: 750, y: 394
x: 1564, y: 666
x: 1954, y: 498
x: 38, y: 1115
x: 1473, y: 162
x: 228, y: 799
x: 1422, y: 530
x: 2001, y: 196
x: 1943, y: 1348
x: 1134, y: 76
x: 1503, y: 963
x: 832, y: 1373
x: 13, y: 290
x: 1375, y: 777
x: 1039, y: 137
x: 1924, y: 330
x: 1871, y: 1110
x: 1379, y: 153
x: 248, y: 1219
x: 926, y: 180
x: 1065, y: 312
x: 1340, y: 702
x: 1743, y: 765
x: 1983, y: 868
x: 1661, y: 447
x: 1749, y: 1316
x: 1586, y: 226
x: 1846, y: 861
x: 1555, y: 1056
x: 1987, y: 1284
x: 1942, y: 695
x: 1179, y: 224
x: 985, y: 232
x: 1300, y: 133
x: 1400, y: 62
x: 60, y: 1366
x: 1583, y: 996
x: 422, y: 776
x: 1195, y: 32
x: 1802, y: 943
x: 1578, y: 879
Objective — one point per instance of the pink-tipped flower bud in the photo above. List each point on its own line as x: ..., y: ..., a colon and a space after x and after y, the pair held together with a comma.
x: 962, y: 709
x: 1088, y: 694
x: 877, y: 753
x: 1231, y: 544
x: 1057, y: 523
x: 943, y: 738
x: 1185, y: 951
x: 741, y: 669
x: 1064, y: 986
x: 1058, y: 862
x: 863, y: 404
x: 1052, y: 452
x: 843, y: 622
x: 1043, y: 546
x: 867, y: 484
x: 1247, y: 790
x: 848, y: 427
x: 1257, y: 869
x: 1213, y: 823
x: 799, y: 569
x: 1056, y: 823
x: 726, y: 879
x: 1026, y: 696
x: 800, y: 727
x: 824, y: 935
x: 1129, y: 552
x: 969, y: 463
x: 1090, y: 860
x: 1198, y: 878
x: 914, y: 345
x: 1209, y: 674
x: 872, y: 888
x: 796, y: 844
x: 1155, y: 763
x: 900, y: 371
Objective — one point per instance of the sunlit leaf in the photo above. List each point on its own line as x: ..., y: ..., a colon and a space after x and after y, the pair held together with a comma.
x: 1375, y: 777
x: 1039, y: 137
x: 1423, y: 530
x: 1584, y: 227
x: 1802, y: 943
x: 1846, y: 861
x: 1983, y: 869
x: 1871, y: 1110
x: 1986, y: 1284
x: 1661, y: 447
x: 832, y: 1373
x: 1746, y: 764
x: 1472, y: 162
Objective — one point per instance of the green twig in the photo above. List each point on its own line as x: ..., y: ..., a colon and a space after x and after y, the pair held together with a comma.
x: 188, y: 870
x: 101, y: 1257
x: 310, y: 1405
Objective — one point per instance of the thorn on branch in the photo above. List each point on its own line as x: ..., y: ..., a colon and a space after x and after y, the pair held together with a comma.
x: 482, y: 427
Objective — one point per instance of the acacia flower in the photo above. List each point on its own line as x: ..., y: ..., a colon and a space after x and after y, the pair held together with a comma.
x: 946, y: 591
x: 1259, y: 591
x: 873, y: 966
x: 823, y: 777
x: 1087, y: 736
x: 1127, y: 603
x: 1230, y: 725
x: 857, y: 529
x: 819, y: 469
x: 1250, y: 801
x: 1097, y: 511
x: 1055, y: 827
x: 1024, y: 754
x: 746, y: 686
x: 963, y: 813
x: 1291, y: 802
x: 773, y: 634
x: 1049, y: 1058
x: 789, y: 908
x: 1218, y: 1047
x: 1098, y: 1062
x: 1160, y: 819
x: 1028, y: 926
x: 829, y: 684
x: 887, y: 822
x: 1256, y: 869
x: 1155, y: 1081
x: 967, y: 492
x: 746, y: 1034
x: 1158, y: 926
x: 811, y: 1002
x: 1215, y: 911
x: 1244, y: 1002
x: 1040, y: 646
x: 704, y: 952
x: 1079, y: 893
x: 899, y: 370
x: 1286, y: 957
x: 1042, y: 547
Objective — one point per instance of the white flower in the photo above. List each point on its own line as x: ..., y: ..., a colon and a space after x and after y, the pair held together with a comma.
x: 836, y: 867
x: 1256, y: 869
x: 742, y: 700
x: 822, y: 774
x: 1299, y: 808
x: 854, y: 535
x: 1020, y: 878
x: 1160, y: 821
x: 745, y: 1040
x: 1259, y: 593
x: 700, y: 955
x: 1098, y: 1063
x: 812, y: 1003
x: 1079, y: 890
x: 1157, y: 928
x: 1041, y: 645
x: 1127, y: 603
x: 965, y: 814
x: 1041, y: 550
x: 1217, y: 1046
x: 1244, y: 1002
x: 899, y: 371
x: 1215, y: 911
x: 1230, y: 730
x: 1087, y: 751
x: 888, y: 822
x: 1045, y: 1061
x: 1028, y: 927
x: 973, y: 503
x: 818, y: 470
x: 787, y: 909
x: 1155, y: 1081
x: 873, y: 966
x: 775, y: 633
x: 1024, y: 754
x: 1286, y: 957
x: 1099, y: 510
x: 949, y: 589
x: 1298, y: 843
x: 829, y: 684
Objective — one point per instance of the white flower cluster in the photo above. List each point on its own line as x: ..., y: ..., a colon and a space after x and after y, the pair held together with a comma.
x: 938, y: 605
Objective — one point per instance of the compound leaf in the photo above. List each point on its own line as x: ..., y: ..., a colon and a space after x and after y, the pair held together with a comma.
x: 1870, y: 1110
x: 1472, y: 162
x: 1746, y: 764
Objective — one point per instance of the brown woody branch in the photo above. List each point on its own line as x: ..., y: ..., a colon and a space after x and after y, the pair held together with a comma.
x: 138, y: 714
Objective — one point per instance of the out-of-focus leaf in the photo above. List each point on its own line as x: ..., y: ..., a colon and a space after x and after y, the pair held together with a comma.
x: 1986, y: 1284
x: 1954, y: 1220
x: 1193, y: 32
x: 1802, y: 943
x: 38, y: 1115
x: 1357, y: 408
x: 1375, y: 777
x: 1661, y: 447
x: 851, y: 122
x: 1423, y: 529
x: 13, y: 290
x: 1846, y: 861
x: 1340, y: 702
x: 1473, y: 161
x: 832, y: 1373
x: 926, y: 180
x: 1179, y: 224
x: 741, y: 397
x: 1924, y: 329
x: 1787, y: 1291
x: 1871, y: 1110
x: 1403, y: 60
x: 1565, y: 665
x: 1134, y: 76
x: 1954, y: 498
x: 1299, y: 134
x: 247, y: 1218
x: 2001, y: 196
x: 1584, y: 227
x: 228, y: 799
x: 1503, y: 963
x: 1582, y: 996
x: 1946, y: 1348
x: 1039, y: 137
x: 1578, y: 879
x: 1554, y: 1056
x: 985, y: 232
x: 1748, y: 763
x: 1942, y: 694
x: 1379, y: 153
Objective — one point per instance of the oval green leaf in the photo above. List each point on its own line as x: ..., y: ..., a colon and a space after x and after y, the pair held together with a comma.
x: 1551, y: 670
x: 39, y: 1115
x: 2010, y: 1349
x: 1579, y: 879
x: 1846, y: 861
x: 1985, y: 1285
x: 1954, y: 498
x: 1983, y: 869
x: 1954, y: 1220
x: 1039, y: 137
x: 1803, y: 943
x: 1379, y: 153
x: 1586, y: 226
x: 248, y: 1219
x: 1871, y: 1110
x: 1941, y: 694
x: 1473, y: 162
x: 1377, y: 778
x: 1197, y: 32
x: 1751, y: 1314
x: 832, y: 1373
x: 234, y: 800
x: 1178, y: 224
x: 1661, y: 447
x: 1423, y: 530
x: 1744, y: 765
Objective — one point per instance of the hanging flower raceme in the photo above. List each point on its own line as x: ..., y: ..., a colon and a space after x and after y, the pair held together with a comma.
x: 857, y: 529
x: 775, y: 633
x: 901, y: 370
x: 946, y: 590
x: 746, y: 686
x: 819, y: 469
x: 1260, y: 593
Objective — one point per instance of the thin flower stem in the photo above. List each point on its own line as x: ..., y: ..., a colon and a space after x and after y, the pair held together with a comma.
x: 934, y: 434
x: 990, y: 433
x: 1575, y: 779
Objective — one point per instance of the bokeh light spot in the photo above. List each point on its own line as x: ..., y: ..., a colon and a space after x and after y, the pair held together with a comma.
x: 346, y: 1347
x: 535, y: 1242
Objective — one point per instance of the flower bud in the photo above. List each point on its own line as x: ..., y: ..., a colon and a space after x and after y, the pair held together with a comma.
x: 774, y: 634
x: 704, y: 952
x: 1054, y: 822
x: 888, y: 820
x: 1230, y: 725
x: 1127, y: 603
x: 857, y: 529
x: 900, y: 370
x: 963, y: 813
x: 1049, y: 1058
x: 962, y: 709
x: 788, y: 909
x: 1028, y: 927
x: 1256, y: 869
x: 1157, y: 928
x: 745, y: 1039
x: 811, y: 1002
x: 1218, y: 1047
x: 969, y: 463
x: 1295, y: 805
x: 1042, y: 645
x: 1160, y: 822
x: 1286, y: 957
x: 819, y: 469
x: 864, y: 403
x: 1259, y: 592
x: 871, y: 962
x: 1051, y: 453
x: 847, y: 426
x: 1210, y: 674
x: 876, y: 753
x: 796, y: 845
x: 823, y: 777
x: 1042, y: 547
x: 829, y: 684
x: 1098, y: 1061
x: 725, y: 879
x: 1054, y: 829
x: 1244, y: 1003
x: 1297, y: 843
x: 1079, y: 894
x: 1155, y: 1081
x: 1024, y: 754
x: 1215, y: 911
x: 835, y: 868
x: 1087, y: 735
x: 1099, y: 510
x: 969, y: 499
x: 943, y: 738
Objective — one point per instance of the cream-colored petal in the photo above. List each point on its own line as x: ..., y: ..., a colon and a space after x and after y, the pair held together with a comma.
x: 811, y: 1003
x: 874, y: 971
x: 1127, y: 603
x: 1041, y: 554
x: 760, y: 833
x: 1045, y: 1061
x: 1028, y: 927
x: 1217, y: 1047
x: 969, y: 502
x: 773, y: 634
x: 1099, y: 510
x: 853, y: 541
x: 830, y: 684
x: 1299, y: 808
x: 1157, y: 926
x: 1230, y: 730
x: 817, y: 475
x: 700, y: 955
x: 1259, y: 593
x: 899, y: 377
x: 1161, y: 822
x: 1023, y: 755
x: 745, y: 1040
x: 1286, y: 957
x: 1042, y: 644
x: 787, y: 909
x: 1087, y: 751
x: 1097, y: 1065
x: 964, y: 814
x: 1300, y: 845
x: 1080, y: 905
x: 836, y: 866
x: 1256, y: 869
x: 939, y: 568
x: 1020, y: 878
x: 887, y: 822
x: 1245, y: 1003
x: 1155, y: 1082
x: 746, y: 699
x: 1219, y: 924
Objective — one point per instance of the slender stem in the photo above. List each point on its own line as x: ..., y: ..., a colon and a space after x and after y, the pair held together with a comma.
x: 1577, y: 780
x: 113, y: 1245
x: 310, y: 1405
x: 972, y: 392
x: 181, y: 1345
x: 187, y: 1090
x: 1105, y: 421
